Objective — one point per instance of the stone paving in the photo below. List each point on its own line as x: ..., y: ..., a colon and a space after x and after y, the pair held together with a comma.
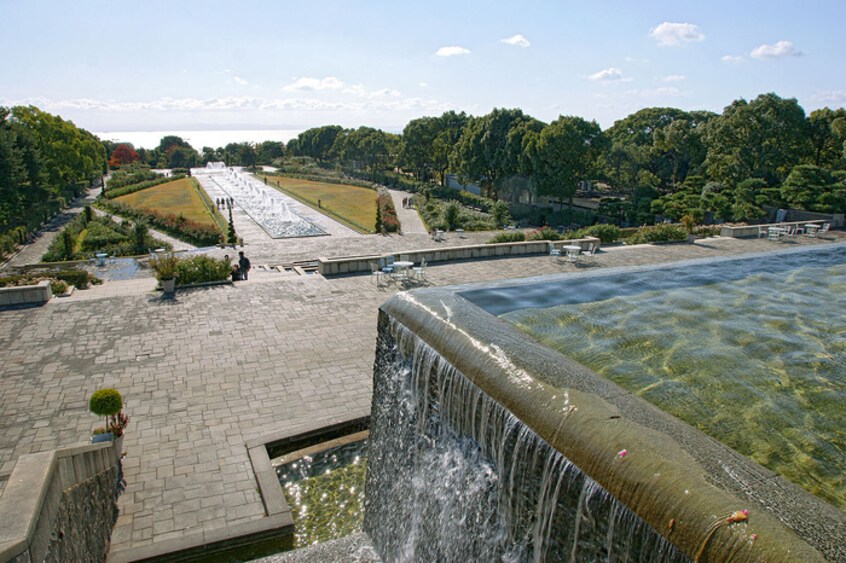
x: 212, y: 368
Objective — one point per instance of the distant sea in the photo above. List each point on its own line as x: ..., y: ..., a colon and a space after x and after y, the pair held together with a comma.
x: 199, y: 139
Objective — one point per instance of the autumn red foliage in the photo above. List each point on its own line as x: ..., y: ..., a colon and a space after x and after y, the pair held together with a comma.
x: 123, y: 154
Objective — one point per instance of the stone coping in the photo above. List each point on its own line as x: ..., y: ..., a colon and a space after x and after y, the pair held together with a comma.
x: 26, y: 294
x: 743, y: 231
x: 31, y: 498
x: 357, y: 264
x: 278, y: 522
x: 672, y: 472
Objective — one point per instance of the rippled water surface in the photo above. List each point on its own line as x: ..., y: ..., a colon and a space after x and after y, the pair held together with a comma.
x: 758, y: 362
x: 326, y: 493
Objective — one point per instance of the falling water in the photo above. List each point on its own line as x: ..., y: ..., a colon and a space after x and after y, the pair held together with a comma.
x: 453, y: 476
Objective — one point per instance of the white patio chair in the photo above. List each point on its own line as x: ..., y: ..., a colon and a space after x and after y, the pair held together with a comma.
x: 824, y: 229
x: 419, y: 272
x: 556, y: 252
x: 590, y: 252
x: 376, y: 272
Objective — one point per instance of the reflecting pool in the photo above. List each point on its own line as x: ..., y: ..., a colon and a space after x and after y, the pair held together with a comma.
x: 326, y: 493
x: 751, y: 351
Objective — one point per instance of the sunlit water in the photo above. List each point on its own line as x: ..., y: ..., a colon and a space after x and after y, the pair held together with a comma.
x: 326, y: 493
x: 758, y: 362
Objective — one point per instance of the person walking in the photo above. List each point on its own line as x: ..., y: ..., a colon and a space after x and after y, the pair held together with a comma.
x: 244, y: 264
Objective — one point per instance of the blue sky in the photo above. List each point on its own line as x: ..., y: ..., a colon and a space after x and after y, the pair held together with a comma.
x: 156, y: 65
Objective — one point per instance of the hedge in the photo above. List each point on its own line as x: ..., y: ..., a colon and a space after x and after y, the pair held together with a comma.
x: 132, y: 188
x: 198, y: 234
x: 200, y: 269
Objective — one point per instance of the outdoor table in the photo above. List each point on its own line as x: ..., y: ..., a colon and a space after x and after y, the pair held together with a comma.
x: 401, y: 268
x: 101, y: 258
x: 460, y: 233
x: 811, y: 229
x: 573, y: 251
x: 439, y: 235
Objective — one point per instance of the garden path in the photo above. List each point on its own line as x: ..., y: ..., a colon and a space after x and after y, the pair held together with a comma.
x: 32, y: 252
x: 409, y: 218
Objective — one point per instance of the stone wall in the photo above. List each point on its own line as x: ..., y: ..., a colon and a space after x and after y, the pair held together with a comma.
x: 360, y: 264
x: 60, y: 505
x: 26, y: 294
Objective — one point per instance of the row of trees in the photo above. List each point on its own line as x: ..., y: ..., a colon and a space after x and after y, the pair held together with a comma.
x: 175, y: 152
x: 44, y: 162
x: 665, y: 160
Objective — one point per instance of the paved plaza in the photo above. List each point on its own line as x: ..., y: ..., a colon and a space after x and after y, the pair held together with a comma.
x: 213, y: 368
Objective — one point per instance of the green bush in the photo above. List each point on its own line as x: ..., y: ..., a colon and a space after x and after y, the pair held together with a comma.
x: 132, y: 188
x: 508, y: 236
x: 544, y: 233
x: 129, y: 176
x: 105, y: 402
x: 58, y: 287
x: 79, y: 278
x: 606, y: 233
x: 201, y: 269
x: 658, y: 233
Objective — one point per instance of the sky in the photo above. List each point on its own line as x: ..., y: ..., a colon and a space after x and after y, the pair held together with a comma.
x: 252, y: 64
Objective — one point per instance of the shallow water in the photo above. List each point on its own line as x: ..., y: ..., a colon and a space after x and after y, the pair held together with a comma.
x: 326, y: 493
x: 757, y: 362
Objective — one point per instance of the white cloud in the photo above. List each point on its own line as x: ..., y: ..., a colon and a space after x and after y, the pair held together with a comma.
x: 516, y: 40
x: 452, y: 51
x: 777, y: 50
x: 424, y: 84
x: 638, y: 60
x: 675, y: 34
x: 834, y: 97
x: 674, y: 78
x: 732, y: 59
x: 610, y: 74
x: 306, y: 83
x: 240, y: 80
x: 360, y: 91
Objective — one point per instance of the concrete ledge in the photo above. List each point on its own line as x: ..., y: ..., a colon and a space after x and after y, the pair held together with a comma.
x: 26, y: 294
x: 754, y: 231
x: 358, y: 264
x: 33, y: 494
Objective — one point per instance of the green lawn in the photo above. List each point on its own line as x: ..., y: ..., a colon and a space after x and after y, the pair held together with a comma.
x: 354, y: 206
x: 179, y: 197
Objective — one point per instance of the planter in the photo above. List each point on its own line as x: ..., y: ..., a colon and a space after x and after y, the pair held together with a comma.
x: 691, y: 238
x: 168, y: 285
x: 105, y: 437
x: 118, y: 447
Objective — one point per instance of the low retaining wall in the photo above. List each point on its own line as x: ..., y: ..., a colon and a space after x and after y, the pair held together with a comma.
x: 754, y: 231
x: 60, y: 505
x: 356, y: 264
x: 26, y: 294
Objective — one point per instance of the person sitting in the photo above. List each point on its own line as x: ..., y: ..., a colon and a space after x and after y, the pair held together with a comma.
x: 236, y: 273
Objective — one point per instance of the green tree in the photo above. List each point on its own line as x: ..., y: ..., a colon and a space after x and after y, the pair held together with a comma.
x: 815, y: 189
x: 485, y: 153
x: 827, y: 138
x: 748, y: 199
x: 764, y: 138
x: 564, y: 154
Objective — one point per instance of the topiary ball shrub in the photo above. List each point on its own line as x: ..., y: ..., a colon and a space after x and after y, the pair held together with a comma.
x: 105, y: 402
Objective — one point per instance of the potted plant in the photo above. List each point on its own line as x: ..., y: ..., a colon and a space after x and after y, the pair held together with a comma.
x: 109, y: 404
x: 689, y: 223
x: 165, y: 265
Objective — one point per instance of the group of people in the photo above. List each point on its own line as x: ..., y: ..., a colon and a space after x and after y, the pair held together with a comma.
x: 241, y: 270
x: 224, y: 202
x: 408, y: 202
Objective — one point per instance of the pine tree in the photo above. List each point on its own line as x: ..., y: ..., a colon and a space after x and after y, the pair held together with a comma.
x: 232, y: 237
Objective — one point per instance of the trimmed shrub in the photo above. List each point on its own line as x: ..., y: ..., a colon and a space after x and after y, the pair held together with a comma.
x: 508, y: 236
x: 544, y: 233
x: 105, y: 402
x: 606, y: 233
x: 58, y: 287
x: 198, y: 234
x: 132, y: 188
x: 201, y: 269
x: 659, y: 233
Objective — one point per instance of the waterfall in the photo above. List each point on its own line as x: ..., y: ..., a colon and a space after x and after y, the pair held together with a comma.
x: 454, y: 476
